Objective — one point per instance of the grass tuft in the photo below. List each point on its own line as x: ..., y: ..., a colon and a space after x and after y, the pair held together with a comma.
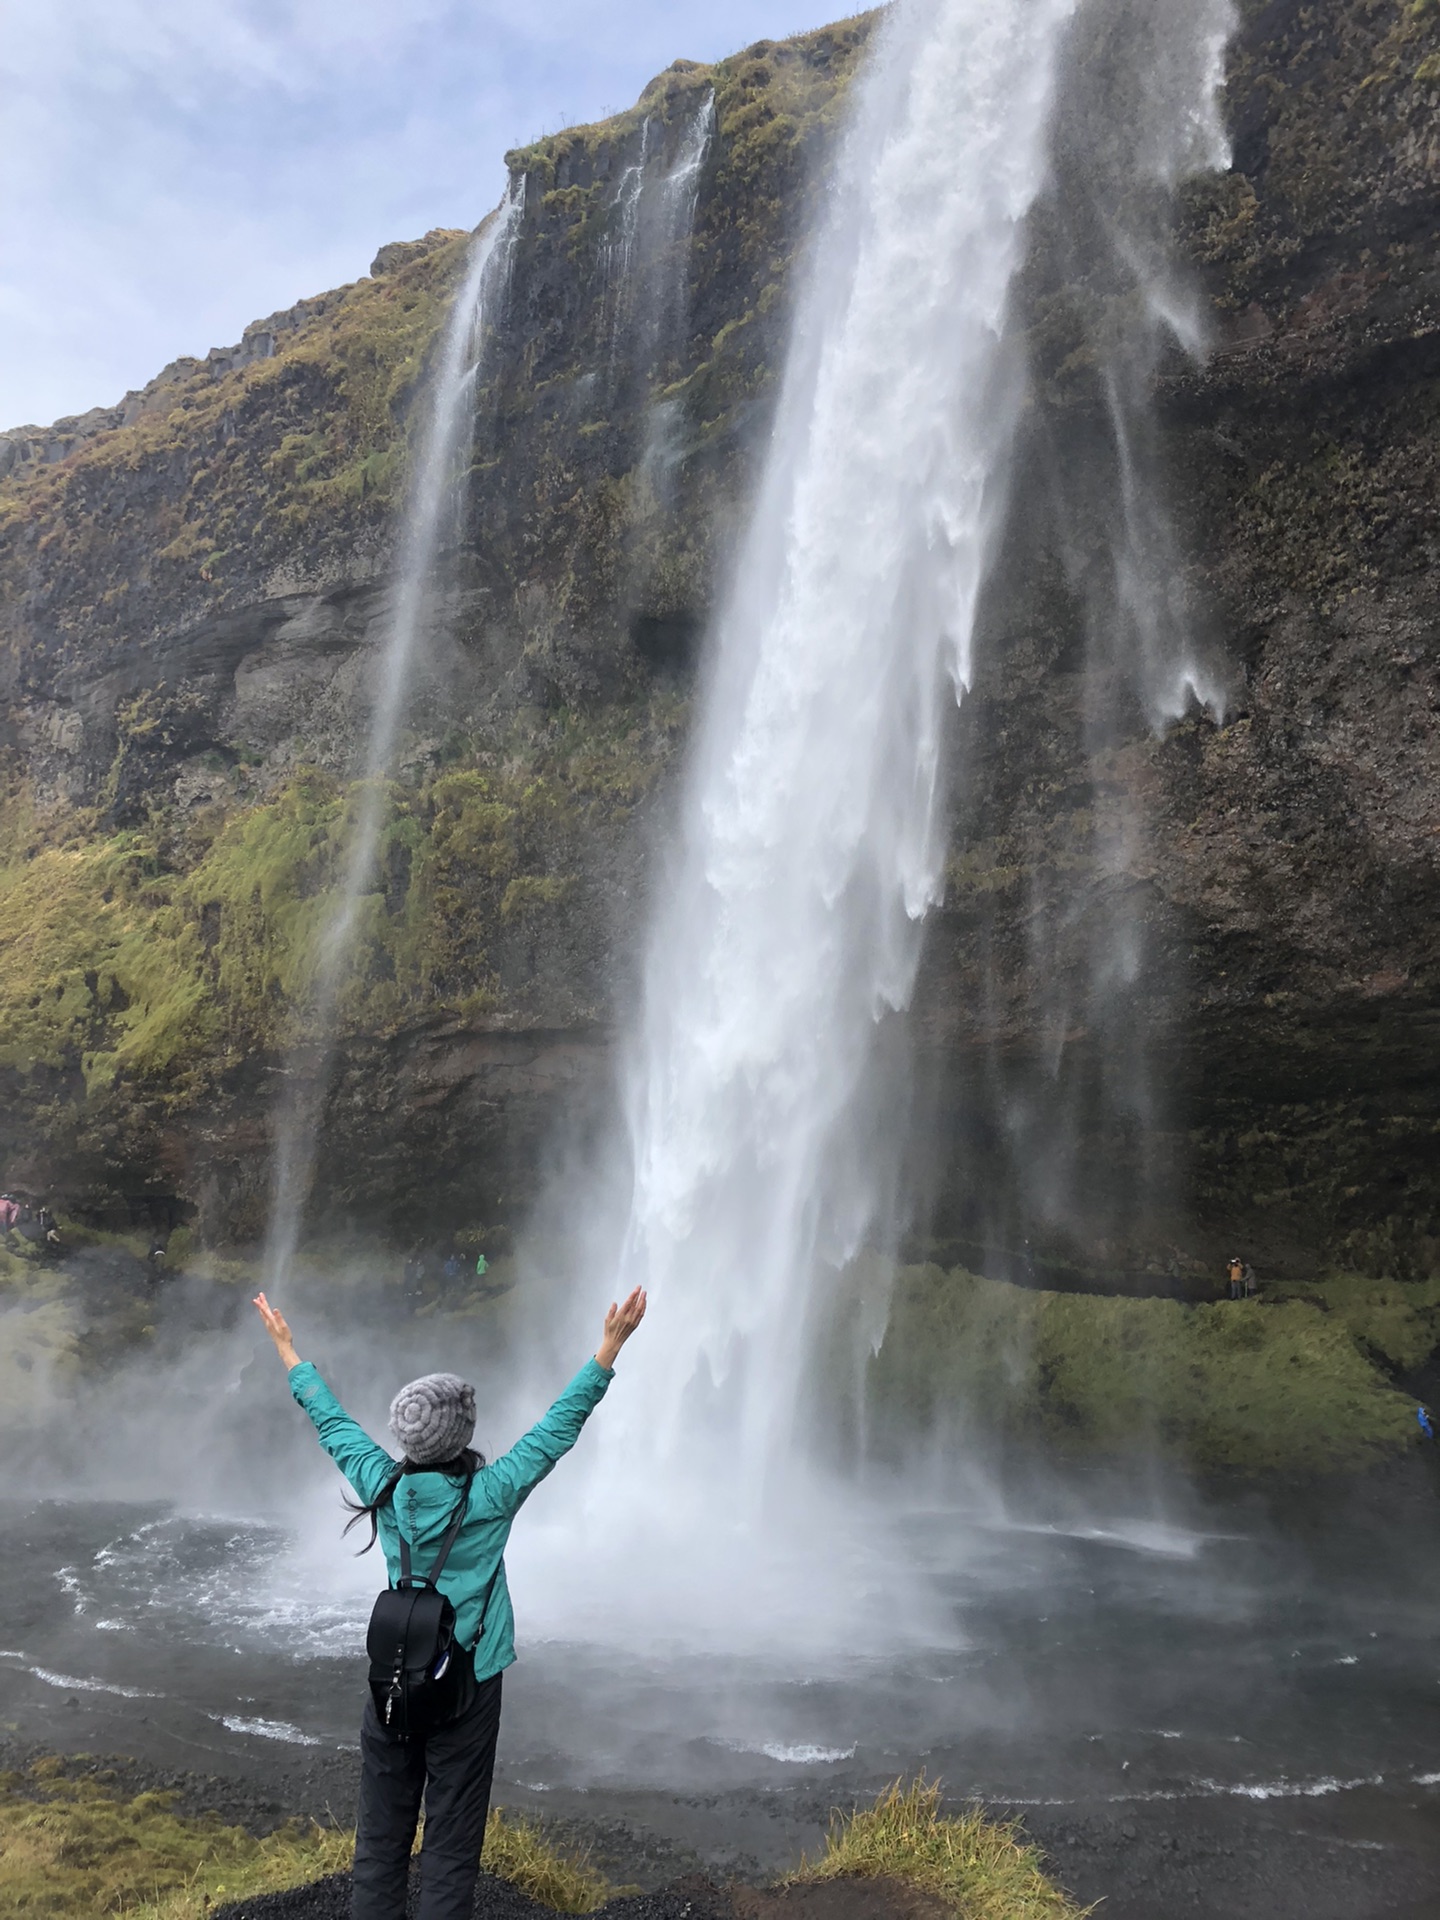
x: 74, y: 1846
x: 291, y: 1857
x: 978, y: 1867
x: 520, y: 1853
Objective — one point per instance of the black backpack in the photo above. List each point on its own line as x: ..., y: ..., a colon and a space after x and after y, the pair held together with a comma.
x: 419, y: 1676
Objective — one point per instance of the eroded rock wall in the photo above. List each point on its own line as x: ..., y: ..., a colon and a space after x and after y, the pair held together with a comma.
x: 1269, y: 1077
x: 194, y: 589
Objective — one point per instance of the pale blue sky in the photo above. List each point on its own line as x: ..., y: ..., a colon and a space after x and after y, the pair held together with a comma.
x: 175, y: 168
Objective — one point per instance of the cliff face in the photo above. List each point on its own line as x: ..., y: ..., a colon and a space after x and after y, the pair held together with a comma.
x: 195, y: 585
x: 1273, y: 1067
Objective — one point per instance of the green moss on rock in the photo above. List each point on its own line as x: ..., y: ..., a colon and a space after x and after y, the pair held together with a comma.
x: 127, y: 961
x: 232, y: 465
x: 1287, y: 1384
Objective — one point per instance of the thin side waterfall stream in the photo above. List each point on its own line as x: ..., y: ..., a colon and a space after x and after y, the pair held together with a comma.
x: 1141, y: 115
x: 651, y: 209
x: 431, y: 501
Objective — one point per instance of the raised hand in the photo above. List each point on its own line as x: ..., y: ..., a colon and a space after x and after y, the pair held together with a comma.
x: 279, y: 1331
x: 620, y: 1323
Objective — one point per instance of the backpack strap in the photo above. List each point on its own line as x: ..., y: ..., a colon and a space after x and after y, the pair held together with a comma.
x: 407, y: 1578
x: 451, y: 1534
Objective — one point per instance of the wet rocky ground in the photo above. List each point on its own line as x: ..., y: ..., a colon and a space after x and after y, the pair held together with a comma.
x: 1365, y: 1854
x: 693, y: 1898
x: 1357, y: 1854
x: 329, y: 1899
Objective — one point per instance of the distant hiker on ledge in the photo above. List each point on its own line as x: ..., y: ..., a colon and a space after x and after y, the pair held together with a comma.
x: 1236, y: 1274
x: 44, y: 1235
x: 1427, y: 1422
x: 439, y: 1640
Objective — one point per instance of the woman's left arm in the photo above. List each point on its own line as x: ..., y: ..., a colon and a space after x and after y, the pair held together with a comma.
x: 364, y: 1464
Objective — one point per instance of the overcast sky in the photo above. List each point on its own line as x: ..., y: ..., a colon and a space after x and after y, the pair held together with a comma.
x: 171, y: 169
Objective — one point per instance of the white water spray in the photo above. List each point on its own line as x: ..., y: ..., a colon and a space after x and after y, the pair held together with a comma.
x: 1183, y: 135
x: 1089, y: 1154
x: 1149, y: 121
x: 433, y: 492
x: 671, y: 220
x: 811, y: 844
x: 642, y: 264
x: 617, y: 254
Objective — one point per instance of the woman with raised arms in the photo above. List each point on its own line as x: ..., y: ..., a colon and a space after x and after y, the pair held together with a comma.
x: 429, y: 1731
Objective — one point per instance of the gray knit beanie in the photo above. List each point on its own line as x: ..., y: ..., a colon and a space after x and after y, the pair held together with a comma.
x: 433, y: 1418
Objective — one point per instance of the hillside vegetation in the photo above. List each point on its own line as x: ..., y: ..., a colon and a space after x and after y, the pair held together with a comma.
x: 1301, y: 1380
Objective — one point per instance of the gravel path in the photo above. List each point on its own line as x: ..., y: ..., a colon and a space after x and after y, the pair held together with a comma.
x: 689, y: 1899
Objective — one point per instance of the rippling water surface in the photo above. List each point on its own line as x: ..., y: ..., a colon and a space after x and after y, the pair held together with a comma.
x: 1137, y: 1660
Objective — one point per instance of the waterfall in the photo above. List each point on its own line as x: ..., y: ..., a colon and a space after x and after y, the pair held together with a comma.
x: 617, y: 254
x: 1144, y: 117
x: 1088, y: 1163
x: 811, y: 840
x: 642, y: 263
x: 1157, y: 124
x: 433, y: 492
x: 671, y: 215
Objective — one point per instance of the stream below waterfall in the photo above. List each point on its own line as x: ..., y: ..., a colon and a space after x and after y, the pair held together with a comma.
x: 1142, y: 1674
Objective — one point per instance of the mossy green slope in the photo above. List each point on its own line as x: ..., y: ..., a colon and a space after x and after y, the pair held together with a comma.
x: 227, y: 476
x: 1300, y: 1382
x: 74, y: 1846
x: 141, y: 955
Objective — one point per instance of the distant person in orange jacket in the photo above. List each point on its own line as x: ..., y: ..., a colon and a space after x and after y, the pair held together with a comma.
x: 1236, y: 1273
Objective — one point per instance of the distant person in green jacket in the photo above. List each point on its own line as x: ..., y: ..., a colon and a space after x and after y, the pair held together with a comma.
x: 451, y: 1767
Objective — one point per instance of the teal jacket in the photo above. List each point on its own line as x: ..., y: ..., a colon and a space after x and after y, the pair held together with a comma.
x: 424, y: 1503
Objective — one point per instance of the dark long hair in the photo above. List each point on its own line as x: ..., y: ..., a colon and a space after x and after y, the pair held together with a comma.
x: 466, y: 1462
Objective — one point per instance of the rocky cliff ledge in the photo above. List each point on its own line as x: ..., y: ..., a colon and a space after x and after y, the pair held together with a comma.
x: 193, y: 587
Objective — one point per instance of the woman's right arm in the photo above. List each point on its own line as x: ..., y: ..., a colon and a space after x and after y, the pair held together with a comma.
x: 364, y: 1464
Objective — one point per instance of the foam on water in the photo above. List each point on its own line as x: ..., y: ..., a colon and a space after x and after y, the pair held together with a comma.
x: 266, y: 1729
x: 80, y: 1683
x: 1066, y: 1668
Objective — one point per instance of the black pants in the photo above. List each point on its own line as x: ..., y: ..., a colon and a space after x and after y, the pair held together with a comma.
x: 452, y: 1769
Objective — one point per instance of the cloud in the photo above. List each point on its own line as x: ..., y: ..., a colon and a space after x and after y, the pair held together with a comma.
x: 177, y: 168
